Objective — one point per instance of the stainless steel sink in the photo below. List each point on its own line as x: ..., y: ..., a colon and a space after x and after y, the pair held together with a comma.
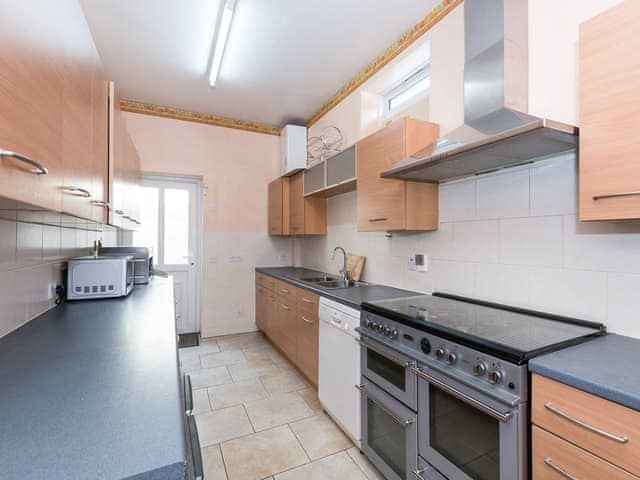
x: 325, y: 278
x: 335, y: 284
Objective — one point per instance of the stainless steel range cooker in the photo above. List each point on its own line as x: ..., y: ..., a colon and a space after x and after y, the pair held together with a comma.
x: 444, y: 387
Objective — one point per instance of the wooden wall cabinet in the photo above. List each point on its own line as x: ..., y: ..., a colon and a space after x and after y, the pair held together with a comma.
x: 289, y: 316
x: 609, y: 67
x: 278, y: 207
x: 308, y: 215
x: 390, y: 204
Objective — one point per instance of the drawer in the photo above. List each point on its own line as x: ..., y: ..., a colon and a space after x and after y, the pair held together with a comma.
x: 601, y: 427
x: 286, y: 291
x: 261, y: 279
x: 266, y: 281
x: 308, y: 301
x: 556, y: 459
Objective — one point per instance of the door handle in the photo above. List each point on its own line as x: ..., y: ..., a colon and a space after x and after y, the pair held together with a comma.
x: 38, y: 168
x: 397, y: 361
x: 404, y: 422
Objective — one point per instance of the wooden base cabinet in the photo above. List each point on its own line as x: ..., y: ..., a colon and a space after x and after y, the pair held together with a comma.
x: 288, y: 315
x: 390, y: 204
x: 609, y: 114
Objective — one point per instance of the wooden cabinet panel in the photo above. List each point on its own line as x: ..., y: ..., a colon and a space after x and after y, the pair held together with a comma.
x: 308, y: 215
x: 287, y: 328
x: 552, y: 455
x: 553, y: 402
x: 100, y: 147
x: 609, y: 114
x: 31, y: 99
x: 388, y: 204
x: 278, y: 207
x: 307, y: 301
x: 307, y: 344
x: 262, y: 310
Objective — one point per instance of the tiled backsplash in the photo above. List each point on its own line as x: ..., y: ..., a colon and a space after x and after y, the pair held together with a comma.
x: 33, y: 249
x: 511, y: 237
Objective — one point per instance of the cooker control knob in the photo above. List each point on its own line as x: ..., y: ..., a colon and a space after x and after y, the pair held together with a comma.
x: 440, y: 353
x: 425, y: 345
x: 374, y: 326
x: 495, y: 376
x: 379, y: 327
x: 387, y: 331
x: 479, y: 369
x: 368, y: 324
x: 451, y: 358
x: 394, y: 334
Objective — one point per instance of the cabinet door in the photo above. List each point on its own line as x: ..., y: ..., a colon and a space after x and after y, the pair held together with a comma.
x: 278, y: 207
x: 381, y: 202
x: 273, y: 314
x: 99, y: 145
x: 296, y: 203
x: 287, y: 327
x: 31, y: 98
x: 77, y: 151
x: 609, y: 114
x: 261, y: 307
x: 307, y: 344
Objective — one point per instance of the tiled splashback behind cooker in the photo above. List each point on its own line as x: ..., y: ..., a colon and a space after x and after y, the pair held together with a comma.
x: 33, y: 249
x: 511, y: 237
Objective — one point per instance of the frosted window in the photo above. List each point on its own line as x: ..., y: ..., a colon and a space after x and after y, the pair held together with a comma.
x: 176, y: 226
x: 147, y: 234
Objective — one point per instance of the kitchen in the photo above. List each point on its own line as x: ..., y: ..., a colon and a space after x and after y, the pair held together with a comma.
x: 375, y: 270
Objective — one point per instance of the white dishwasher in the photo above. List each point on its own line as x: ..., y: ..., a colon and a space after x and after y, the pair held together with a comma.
x: 339, y: 365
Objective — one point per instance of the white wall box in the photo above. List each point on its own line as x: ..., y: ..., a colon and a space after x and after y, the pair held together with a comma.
x: 293, y: 149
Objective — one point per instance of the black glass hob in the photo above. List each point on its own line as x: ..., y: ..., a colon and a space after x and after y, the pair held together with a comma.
x: 512, y: 333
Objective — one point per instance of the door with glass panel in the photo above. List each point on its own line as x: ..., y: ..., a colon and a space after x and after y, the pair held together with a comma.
x: 169, y: 212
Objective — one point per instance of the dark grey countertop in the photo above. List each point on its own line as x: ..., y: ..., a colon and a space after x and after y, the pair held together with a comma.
x: 352, y: 297
x: 605, y: 367
x: 91, y: 389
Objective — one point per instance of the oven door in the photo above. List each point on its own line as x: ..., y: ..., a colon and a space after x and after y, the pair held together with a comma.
x: 389, y: 433
x: 465, y: 433
x: 389, y: 369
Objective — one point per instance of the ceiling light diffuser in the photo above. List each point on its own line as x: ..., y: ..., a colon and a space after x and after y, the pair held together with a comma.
x: 221, y: 40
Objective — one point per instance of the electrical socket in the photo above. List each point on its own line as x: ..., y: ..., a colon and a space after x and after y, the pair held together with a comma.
x: 411, y: 265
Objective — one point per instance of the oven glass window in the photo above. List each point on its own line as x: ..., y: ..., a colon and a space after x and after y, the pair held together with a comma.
x: 385, y: 368
x: 387, y: 438
x: 465, y: 436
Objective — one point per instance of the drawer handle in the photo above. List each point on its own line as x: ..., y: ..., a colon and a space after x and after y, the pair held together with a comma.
x: 616, y: 438
x: 100, y: 203
x: 284, y: 290
x: 391, y: 358
x: 307, y: 300
x: 404, y: 423
x: 378, y: 219
x: 306, y: 320
x: 284, y: 307
x: 616, y: 195
x: 78, y: 191
x: 38, y: 168
x: 549, y: 463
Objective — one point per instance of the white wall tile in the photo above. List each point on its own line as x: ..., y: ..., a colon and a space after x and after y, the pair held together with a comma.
x: 453, y: 277
x: 13, y: 300
x: 531, y: 241
x: 8, y: 243
x: 29, y: 243
x: 507, y: 284
x: 503, y: 195
x: 475, y: 241
x: 623, y: 303
x: 554, y: 186
x: 601, y: 246
x: 569, y: 292
x: 457, y: 201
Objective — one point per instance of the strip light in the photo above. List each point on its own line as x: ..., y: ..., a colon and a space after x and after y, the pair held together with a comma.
x: 221, y: 41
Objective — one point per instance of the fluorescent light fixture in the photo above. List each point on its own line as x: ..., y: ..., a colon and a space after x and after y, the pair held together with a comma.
x: 221, y: 40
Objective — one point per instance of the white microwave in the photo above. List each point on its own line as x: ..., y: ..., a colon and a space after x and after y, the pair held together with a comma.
x: 100, y: 277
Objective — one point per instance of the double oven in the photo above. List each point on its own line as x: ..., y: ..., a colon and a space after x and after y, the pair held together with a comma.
x: 436, y: 410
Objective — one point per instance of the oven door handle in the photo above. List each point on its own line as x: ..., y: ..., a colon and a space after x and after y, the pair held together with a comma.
x: 404, y: 423
x: 503, y: 417
x: 402, y: 363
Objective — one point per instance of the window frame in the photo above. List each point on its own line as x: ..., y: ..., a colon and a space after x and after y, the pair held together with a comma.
x: 409, y: 81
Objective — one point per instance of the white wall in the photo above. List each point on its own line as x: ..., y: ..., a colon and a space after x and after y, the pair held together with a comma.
x: 510, y: 237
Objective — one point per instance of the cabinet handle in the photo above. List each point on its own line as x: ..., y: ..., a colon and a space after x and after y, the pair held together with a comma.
x: 306, y: 320
x: 616, y: 438
x: 549, y: 463
x: 78, y: 191
x: 378, y: 219
x: 284, y: 290
x: 307, y: 300
x: 100, y: 203
x: 119, y: 212
x: 615, y: 195
x: 284, y: 307
x: 38, y: 168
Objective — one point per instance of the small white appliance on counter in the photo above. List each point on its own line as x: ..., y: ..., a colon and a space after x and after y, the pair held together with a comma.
x: 339, y: 365
x: 100, y: 277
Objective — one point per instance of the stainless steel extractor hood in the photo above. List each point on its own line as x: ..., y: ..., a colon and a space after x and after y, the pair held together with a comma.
x: 498, y: 132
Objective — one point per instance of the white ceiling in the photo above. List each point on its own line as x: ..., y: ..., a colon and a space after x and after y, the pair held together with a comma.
x: 284, y: 58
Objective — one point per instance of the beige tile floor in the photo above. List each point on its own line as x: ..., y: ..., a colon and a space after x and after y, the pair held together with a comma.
x: 258, y: 418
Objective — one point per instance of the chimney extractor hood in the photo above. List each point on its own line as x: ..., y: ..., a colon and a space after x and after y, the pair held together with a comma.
x: 497, y: 133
